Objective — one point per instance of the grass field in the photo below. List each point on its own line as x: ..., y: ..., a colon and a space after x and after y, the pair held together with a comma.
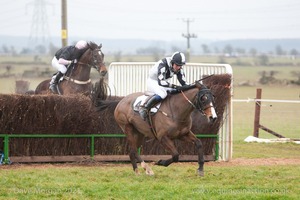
x: 178, y: 181
x: 257, y: 171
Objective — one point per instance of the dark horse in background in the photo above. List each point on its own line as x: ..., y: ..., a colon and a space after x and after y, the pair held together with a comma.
x: 172, y: 121
x: 77, y: 78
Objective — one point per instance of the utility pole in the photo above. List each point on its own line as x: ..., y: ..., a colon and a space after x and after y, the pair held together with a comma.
x: 64, y: 24
x: 188, y: 35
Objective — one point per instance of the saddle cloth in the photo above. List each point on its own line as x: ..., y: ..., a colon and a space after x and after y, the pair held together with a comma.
x: 141, y: 101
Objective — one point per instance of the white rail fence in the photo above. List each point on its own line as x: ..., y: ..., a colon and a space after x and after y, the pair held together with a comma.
x: 265, y: 100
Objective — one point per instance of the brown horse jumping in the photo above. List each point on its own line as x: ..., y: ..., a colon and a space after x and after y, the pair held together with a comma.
x: 77, y: 78
x: 172, y: 121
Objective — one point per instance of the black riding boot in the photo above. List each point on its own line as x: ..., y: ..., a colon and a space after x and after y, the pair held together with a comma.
x: 54, y: 82
x: 155, y: 99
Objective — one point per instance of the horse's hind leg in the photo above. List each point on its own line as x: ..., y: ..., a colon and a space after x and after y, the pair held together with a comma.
x: 169, y: 144
x: 139, y: 139
x: 135, y: 140
x: 133, y: 154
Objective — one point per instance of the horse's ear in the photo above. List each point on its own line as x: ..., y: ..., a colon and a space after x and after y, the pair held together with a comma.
x: 100, y: 45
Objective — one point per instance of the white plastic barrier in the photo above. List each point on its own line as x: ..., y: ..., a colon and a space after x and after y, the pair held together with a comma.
x: 129, y: 77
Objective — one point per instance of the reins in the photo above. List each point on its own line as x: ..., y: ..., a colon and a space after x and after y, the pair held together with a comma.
x: 87, y: 64
x: 164, y: 113
x: 68, y: 78
x: 188, y: 100
x: 194, y: 106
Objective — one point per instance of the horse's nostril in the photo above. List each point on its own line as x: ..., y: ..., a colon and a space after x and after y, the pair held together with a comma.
x: 212, y: 119
x: 103, y: 73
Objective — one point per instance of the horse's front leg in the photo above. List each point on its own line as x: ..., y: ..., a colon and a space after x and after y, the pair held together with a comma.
x: 169, y: 145
x: 190, y: 137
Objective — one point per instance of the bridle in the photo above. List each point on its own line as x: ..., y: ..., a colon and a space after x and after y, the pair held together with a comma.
x: 94, y: 61
x: 202, y: 98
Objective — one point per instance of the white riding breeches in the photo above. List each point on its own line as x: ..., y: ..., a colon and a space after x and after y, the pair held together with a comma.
x: 58, y: 66
x: 152, y: 86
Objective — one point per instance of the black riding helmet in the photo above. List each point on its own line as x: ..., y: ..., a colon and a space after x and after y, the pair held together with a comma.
x: 178, y: 58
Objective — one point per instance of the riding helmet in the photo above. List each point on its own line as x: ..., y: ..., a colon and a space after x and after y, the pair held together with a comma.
x: 178, y: 58
x: 81, y: 44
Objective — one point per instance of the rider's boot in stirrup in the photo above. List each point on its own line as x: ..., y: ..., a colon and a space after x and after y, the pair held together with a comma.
x: 54, y: 82
x: 155, y: 99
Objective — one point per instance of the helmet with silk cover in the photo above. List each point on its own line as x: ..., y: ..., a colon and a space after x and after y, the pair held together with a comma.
x: 81, y: 44
x: 178, y: 58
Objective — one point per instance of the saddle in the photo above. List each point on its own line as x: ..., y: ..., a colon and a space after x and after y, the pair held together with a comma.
x: 141, y: 100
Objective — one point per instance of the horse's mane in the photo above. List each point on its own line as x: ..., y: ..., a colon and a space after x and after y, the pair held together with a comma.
x: 90, y: 45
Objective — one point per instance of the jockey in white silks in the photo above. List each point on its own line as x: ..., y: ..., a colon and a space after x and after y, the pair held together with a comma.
x: 159, y: 77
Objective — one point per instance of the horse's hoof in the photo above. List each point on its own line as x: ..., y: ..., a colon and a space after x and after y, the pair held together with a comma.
x: 200, y: 173
x: 160, y: 162
x: 136, y: 171
x: 149, y: 172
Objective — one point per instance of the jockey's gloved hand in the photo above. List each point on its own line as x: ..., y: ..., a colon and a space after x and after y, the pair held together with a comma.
x: 180, y: 88
x: 74, y: 61
x: 174, y: 91
x: 176, y: 87
x: 185, y: 87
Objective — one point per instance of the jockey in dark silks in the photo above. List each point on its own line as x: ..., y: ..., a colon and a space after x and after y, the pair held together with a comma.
x: 159, y: 77
x: 63, y: 58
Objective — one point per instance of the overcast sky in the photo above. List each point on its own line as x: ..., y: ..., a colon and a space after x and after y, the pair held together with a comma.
x: 155, y: 19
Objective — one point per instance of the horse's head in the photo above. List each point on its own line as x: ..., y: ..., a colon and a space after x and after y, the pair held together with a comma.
x: 101, y: 66
x: 96, y: 58
x: 205, y: 102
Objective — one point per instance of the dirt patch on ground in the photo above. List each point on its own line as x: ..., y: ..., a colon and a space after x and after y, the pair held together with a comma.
x: 233, y: 162
x: 257, y: 162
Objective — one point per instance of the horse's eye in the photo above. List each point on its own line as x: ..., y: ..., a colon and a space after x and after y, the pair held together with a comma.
x: 204, y: 98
